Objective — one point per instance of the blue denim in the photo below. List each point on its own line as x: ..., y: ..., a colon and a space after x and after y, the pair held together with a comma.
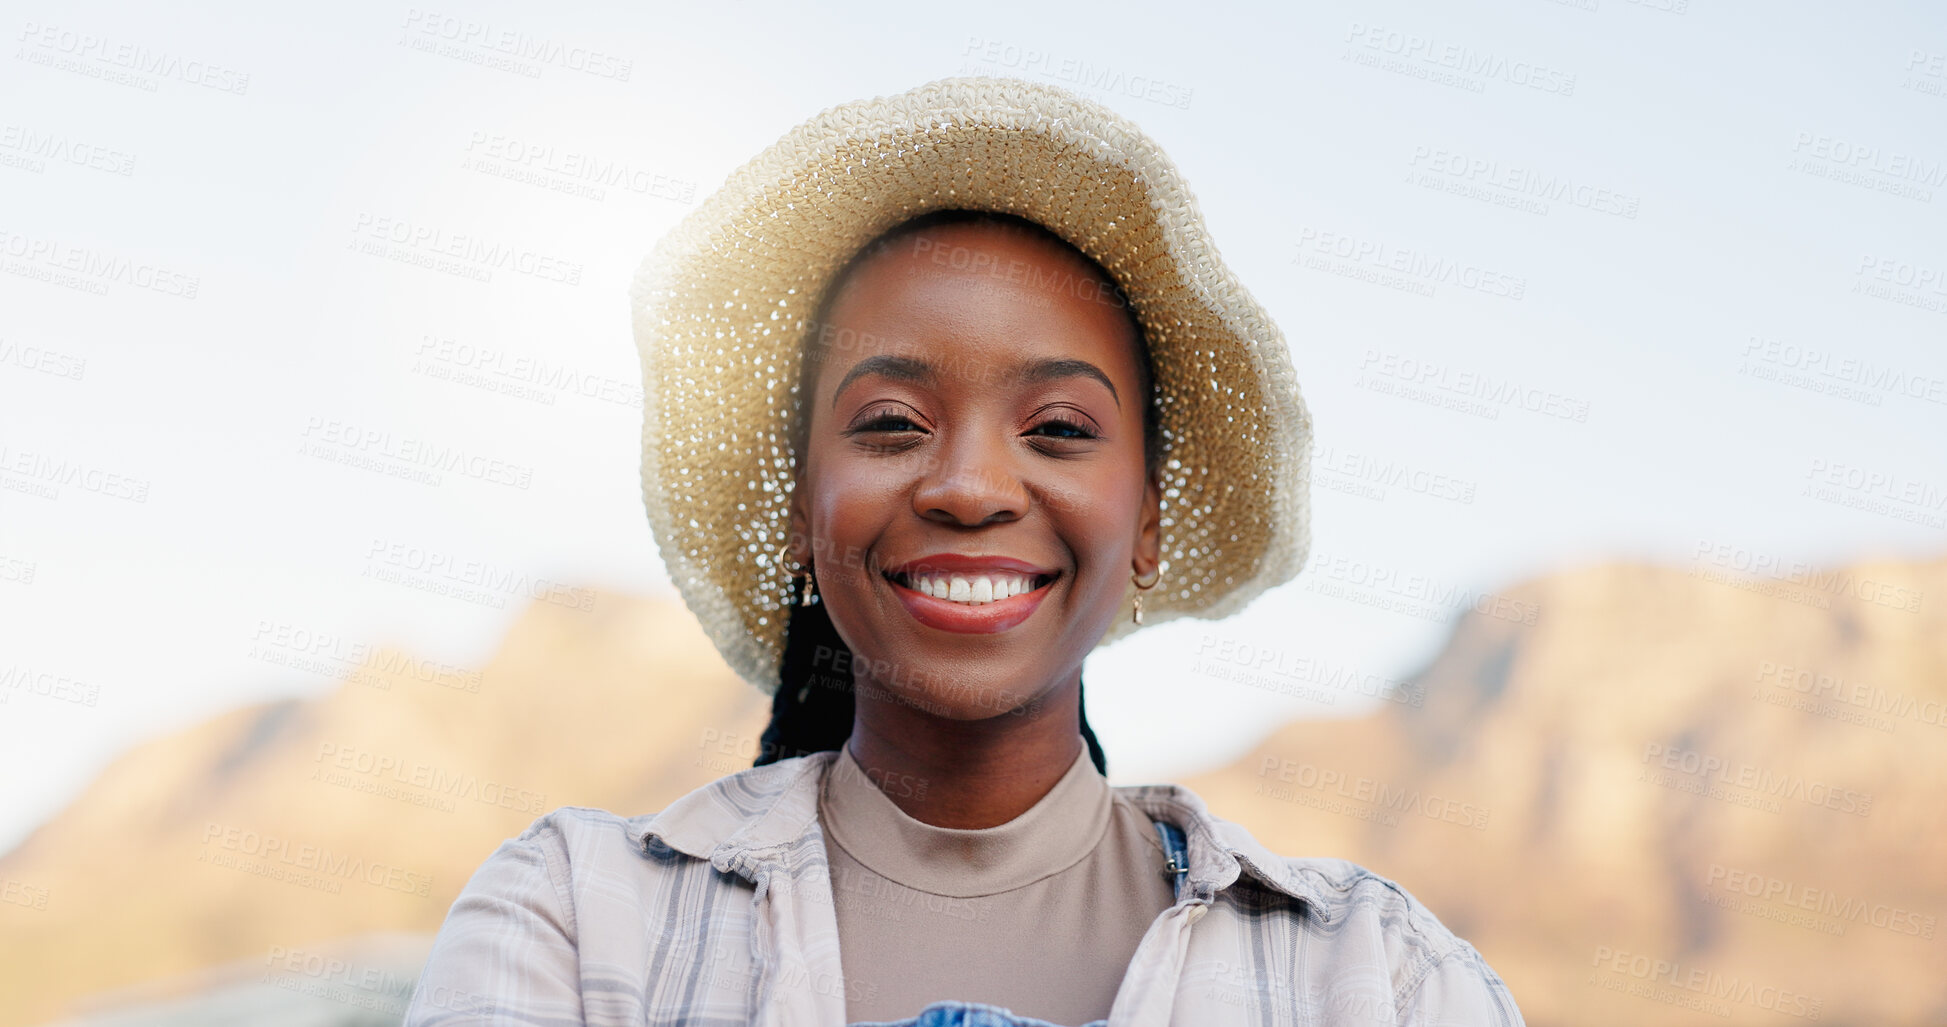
x: 956, y: 1013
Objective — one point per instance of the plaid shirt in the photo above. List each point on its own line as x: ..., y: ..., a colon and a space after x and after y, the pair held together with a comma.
x: 717, y: 912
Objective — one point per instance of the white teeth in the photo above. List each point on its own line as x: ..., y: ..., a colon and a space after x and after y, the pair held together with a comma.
x: 977, y: 590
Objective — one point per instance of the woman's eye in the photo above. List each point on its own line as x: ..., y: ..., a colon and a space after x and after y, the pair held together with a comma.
x: 882, y: 422
x: 889, y: 422
x: 1059, y: 428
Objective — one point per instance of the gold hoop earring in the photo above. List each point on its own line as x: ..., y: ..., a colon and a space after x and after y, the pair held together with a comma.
x: 1140, y: 589
x: 798, y: 570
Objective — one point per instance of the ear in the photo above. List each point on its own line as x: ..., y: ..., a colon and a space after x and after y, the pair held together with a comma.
x: 1149, y: 531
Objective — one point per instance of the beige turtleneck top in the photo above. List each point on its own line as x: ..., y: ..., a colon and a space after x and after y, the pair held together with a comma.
x: 1040, y: 915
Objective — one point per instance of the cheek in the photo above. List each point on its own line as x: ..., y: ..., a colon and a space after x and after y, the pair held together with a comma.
x: 1097, y: 514
x: 850, y: 509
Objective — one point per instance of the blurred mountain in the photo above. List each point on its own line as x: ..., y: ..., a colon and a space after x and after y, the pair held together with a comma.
x: 1672, y: 798
x: 280, y: 828
x: 364, y: 981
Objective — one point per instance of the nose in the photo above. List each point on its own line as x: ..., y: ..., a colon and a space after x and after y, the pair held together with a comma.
x: 971, y: 484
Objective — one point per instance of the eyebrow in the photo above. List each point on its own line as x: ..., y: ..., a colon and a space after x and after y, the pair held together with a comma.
x: 1050, y: 369
x: 922, y: 372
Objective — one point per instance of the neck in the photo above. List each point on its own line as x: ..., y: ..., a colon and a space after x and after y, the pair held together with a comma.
x: 976, y: 773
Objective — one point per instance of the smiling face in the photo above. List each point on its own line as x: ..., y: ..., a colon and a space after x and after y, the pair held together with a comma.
x: 976, y: 421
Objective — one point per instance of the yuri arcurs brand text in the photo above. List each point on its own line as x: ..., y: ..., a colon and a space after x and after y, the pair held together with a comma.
x: 1743, y: 784
x: 1322, y: 788
x: 416, y: 782
x: 304, y: 865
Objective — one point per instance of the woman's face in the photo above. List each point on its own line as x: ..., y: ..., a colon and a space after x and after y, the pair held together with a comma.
x: 975, y: 427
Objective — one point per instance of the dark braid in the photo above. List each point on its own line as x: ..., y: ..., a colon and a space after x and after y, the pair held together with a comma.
x: 812, y: 710
x: 1095, y: 753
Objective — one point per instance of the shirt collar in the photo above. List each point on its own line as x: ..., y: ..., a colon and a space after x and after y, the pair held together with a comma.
x: 745, y: 823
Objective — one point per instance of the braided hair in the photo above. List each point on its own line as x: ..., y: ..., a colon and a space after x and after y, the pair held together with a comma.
x: 813, y: 707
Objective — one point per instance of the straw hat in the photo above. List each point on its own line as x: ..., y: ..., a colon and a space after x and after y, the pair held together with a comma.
x: 723, y: 304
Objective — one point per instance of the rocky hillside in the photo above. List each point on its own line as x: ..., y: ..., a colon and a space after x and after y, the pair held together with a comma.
x: 1673, y: 798
x: 1670, y: 800
x: 282, y: 828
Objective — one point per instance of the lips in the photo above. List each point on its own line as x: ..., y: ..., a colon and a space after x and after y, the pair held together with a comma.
x: 970, y: 594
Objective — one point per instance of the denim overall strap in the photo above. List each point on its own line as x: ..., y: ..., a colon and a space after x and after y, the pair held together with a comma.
x: 955, y: 1013
x: 1179, y: 852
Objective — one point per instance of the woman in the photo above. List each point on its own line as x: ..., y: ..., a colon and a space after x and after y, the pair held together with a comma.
x: 940, y: 390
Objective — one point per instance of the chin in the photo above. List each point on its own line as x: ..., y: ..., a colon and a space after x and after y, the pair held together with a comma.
x: 960, y: 698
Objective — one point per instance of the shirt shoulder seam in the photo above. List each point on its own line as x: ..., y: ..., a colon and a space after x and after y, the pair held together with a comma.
x: 1420, y: 927
x: 552, y: 842
x: 1497, y: 990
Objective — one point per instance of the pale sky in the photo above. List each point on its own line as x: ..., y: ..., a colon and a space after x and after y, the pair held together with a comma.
x: 1563, y: 283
